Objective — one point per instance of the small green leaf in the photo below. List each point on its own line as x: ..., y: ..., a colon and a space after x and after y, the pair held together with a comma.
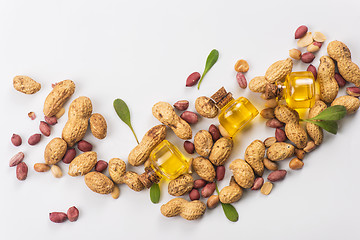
x: 332, y: 113
x: 210, y: 61
x: 123, y: 112
x: 230, y: 212
x: 330, y: 126
x: 155, y: 193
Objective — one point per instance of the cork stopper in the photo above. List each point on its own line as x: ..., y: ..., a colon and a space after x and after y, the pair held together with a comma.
x: 149, y: 177
x: 222, y: 97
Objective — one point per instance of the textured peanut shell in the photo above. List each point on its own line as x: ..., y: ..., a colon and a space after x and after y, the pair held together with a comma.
x: 82, y: 164
x: 26, y: 85
x: 328, y: 85
x: 231, y: 193
x: 131, y: 179
x: 349, y: 102
x: 181, y: 185
x: 203, y: 143
x: 285, y: 114
x: 55, y: 151
x: 188, y: 210
x: 98, y: 126
x: 280, y: 151
x: 296, y: 134
x: 165, y: 113
x: 341, y: 53
x: 117, y: 169
x: 79, y: 113
x: 204, y: 169
x: 99, y: 183
x: 243, y: 173
x: 61, y: 92
x: 278, y: 70
x: 221, y: 151
x: 254, y: 156
x: 206, y: 107
x: 315, y: 132
x: 258, y: 84
x: 150, y: 140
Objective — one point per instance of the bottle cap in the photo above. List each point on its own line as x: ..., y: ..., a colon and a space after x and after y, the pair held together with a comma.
x: 149, y: 177
x: 222, y: 97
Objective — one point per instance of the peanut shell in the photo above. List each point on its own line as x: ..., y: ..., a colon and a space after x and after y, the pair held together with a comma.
x: 99, y: 183
x: 349, y: 102
x: 98, y: 126
x: 328, y: 85
x: 243, y: 173
x: 315, y: 132
x: 221, y: 151
x: 117, y: 169
x: 203, y: 143
x: 57, y: 97
x: 206, y: 107
x: 82, y: 164
x: 278, y: 70
x: 181, y: 185
x: 26, y: 84
x: 280, y: 151
x: 55, y: 151
x: 254, y: 156
x: 204, y: 169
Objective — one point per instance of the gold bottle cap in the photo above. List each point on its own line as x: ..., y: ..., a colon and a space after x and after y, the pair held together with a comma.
x: 222, y: 97
x: 149, y: 177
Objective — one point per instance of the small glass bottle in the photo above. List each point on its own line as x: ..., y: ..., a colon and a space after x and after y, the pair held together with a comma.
x: 234, y: 114
x: 165, y: 161
x: 299, y: 90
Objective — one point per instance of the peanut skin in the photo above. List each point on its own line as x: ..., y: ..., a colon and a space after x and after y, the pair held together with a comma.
x: 165, y: 113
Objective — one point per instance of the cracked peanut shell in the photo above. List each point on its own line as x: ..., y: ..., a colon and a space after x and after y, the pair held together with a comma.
x: 26, y: 85
x: 151, y: 139
x: 206, y: 107
x: 61, y: 92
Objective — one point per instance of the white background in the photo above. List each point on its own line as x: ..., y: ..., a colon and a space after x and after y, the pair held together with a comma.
x: 142, y: 52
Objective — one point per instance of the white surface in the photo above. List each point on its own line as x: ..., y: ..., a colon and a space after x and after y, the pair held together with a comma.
x: 142, y: 52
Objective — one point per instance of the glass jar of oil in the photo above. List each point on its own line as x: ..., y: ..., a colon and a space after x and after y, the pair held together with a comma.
x: 165, y: 161
x: 299, y: 90
x: 234, y: 114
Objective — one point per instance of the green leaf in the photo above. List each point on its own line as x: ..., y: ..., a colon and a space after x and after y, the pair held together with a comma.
x: 332, y: 113
x: 123, y: 112
x: 330, y: 126
x: 210, y: 61
x: 155, y: 193
x: 230, y: 212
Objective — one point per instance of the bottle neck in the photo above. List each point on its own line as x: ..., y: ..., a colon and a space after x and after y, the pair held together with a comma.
x: 149, y: 177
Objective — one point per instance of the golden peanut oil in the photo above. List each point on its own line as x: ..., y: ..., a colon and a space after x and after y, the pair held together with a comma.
x: 300, y: 89
x: 236, y: 114
x: 168, y: 161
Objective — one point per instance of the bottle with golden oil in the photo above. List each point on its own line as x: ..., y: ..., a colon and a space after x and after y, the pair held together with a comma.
x: 234, y: 114
x: 299, y: 90
x: 165, y: 161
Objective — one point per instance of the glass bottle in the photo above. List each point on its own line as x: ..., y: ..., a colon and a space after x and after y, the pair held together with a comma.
x: 165, y: 161
x: 234, y: 114
x: 299, y: 90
